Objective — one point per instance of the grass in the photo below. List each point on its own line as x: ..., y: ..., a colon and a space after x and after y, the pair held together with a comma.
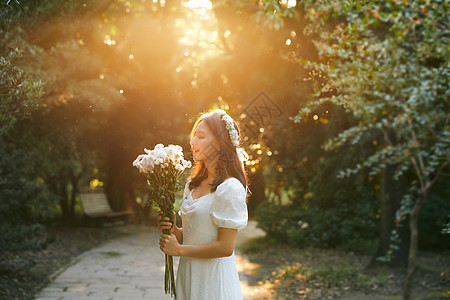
x: 307, y: 273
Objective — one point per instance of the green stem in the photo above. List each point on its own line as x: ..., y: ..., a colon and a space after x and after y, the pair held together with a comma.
x: 169, y: 276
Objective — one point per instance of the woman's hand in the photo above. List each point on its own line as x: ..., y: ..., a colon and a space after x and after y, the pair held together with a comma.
x: 169, y: 245
x: 164, y: 223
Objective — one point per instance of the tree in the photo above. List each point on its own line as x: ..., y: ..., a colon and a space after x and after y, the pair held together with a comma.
x: 23, y: 198
x: 396, y: 82
x: 60, y: 134
x: 20, y: 94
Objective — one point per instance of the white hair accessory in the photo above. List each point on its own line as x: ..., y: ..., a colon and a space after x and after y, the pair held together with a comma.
x: 243, y: 156
x: 234, y: 136
x: 229, y: 124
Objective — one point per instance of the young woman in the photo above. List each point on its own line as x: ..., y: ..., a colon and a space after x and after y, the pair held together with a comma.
x: 213, y: 210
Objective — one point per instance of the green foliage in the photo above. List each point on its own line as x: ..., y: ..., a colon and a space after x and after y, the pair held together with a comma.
x: 272, y: 13
x: 434, y: 217
x: 341, y: 227
x: 23, y: 198
x: 446, y: 229
x: 324, y: 211
x: 81, y: 122
x: 388, y: 63
x: 318, y: 226
x: 22, y: 237
x: 32, y: 10
x: 395, y: 81
x: 49, y: 132
x: 19, y: 93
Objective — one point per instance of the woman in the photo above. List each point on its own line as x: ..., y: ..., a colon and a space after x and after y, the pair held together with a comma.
x: 213, y: 210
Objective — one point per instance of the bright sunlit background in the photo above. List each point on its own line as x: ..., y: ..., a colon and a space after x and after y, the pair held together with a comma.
x: 345, y: 126
x: 124, y: 75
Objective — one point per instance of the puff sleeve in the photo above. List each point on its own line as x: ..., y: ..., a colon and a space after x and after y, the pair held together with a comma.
x: 229, y: 209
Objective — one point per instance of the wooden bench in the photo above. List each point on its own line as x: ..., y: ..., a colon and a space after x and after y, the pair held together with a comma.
x: 96, y: 208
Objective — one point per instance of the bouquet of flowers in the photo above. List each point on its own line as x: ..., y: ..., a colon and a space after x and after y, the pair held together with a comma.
x: 163, y: 167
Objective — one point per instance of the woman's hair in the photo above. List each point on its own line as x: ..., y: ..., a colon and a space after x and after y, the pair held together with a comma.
x: 228, y: 163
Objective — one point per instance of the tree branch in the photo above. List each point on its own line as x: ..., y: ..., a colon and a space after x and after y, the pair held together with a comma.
x: 419, y: 173
x: 438, y: 173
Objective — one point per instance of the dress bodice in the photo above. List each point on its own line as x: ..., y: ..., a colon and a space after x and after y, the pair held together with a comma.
x: 203, y: 216
x: 215, y: 278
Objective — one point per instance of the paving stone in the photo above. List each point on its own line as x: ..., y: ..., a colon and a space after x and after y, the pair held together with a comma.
x: 130, y: 268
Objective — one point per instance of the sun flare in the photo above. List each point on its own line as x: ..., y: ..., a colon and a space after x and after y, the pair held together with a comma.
x: 198, y: 4
x: 199, y: 29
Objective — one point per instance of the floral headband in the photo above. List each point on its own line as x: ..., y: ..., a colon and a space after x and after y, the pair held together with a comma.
x: 234, y: 135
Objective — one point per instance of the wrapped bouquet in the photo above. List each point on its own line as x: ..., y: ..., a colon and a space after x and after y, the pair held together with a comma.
x: 163, y: 167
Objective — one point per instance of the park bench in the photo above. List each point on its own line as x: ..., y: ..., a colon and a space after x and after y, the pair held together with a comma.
x: 96, y: 209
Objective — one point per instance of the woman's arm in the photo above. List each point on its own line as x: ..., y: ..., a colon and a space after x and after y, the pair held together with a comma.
x: 223, y: 246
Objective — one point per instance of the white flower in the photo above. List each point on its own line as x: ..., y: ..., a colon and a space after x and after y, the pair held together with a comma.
x: 159, y: 153
x: 148, y: 163
x: 186, y: 163
x: 162, y: 156
x: 229, y: 125
x: 144, y: 163
x: 169, y: 151
x: 220, y: 112
x: 139, y: 167
x: 234, y: 135
x: 138, y: 163
x: 243, y: 156
x: 176, y: 148
x: 177, y: 157
x: 228, y: 119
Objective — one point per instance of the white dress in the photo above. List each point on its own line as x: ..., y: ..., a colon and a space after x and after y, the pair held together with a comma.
x: 216, y: 278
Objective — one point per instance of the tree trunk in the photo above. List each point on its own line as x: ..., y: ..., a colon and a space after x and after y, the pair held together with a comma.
x: 63, y: 200
x: 257, y: 188
x: 391, y: 194
x: 413, y: 247
x: 74, y: 194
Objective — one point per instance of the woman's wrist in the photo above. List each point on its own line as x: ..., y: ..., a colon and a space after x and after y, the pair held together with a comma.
x: 181, y: 250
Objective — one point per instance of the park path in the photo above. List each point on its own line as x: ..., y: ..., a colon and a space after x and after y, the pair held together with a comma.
x: 130, y: 268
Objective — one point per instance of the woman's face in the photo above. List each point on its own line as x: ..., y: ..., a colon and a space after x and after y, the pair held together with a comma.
x: 204, y: 145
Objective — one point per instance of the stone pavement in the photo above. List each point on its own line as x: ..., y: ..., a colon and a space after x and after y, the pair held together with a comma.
x: 130, y: 268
